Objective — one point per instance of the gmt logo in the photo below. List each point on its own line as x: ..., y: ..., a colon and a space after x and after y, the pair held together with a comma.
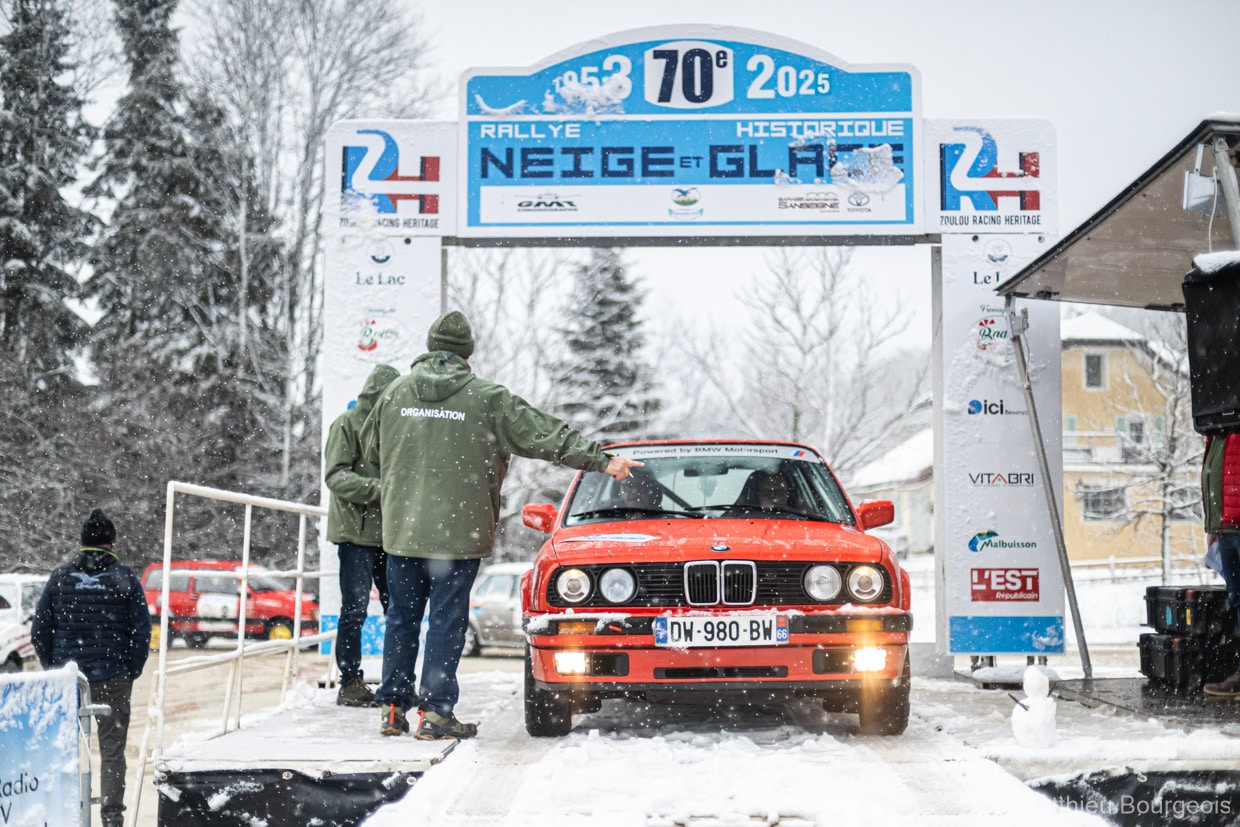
x: 374, y: 174
x: 971, y: 173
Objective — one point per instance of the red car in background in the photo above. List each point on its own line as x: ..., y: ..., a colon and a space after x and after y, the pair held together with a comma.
x: 733, y: 571
x: 204, y: 599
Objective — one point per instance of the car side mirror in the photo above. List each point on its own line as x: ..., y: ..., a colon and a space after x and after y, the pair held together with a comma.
x: 539, y: 516
x: 874, y: 513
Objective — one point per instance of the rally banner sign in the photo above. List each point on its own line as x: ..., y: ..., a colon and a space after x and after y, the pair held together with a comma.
x: 690, y: 131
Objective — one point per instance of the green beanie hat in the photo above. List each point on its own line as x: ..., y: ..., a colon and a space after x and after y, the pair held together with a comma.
x: 451, y: 332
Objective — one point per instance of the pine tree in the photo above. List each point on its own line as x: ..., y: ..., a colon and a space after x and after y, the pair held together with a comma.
x: 606, y: 385
x: 184, y: 347
x: 42, y: 141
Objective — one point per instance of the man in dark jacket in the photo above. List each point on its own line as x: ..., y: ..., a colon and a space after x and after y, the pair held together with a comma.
x: 353, y: 524
x: 93, y: 613
x: 442, y: 439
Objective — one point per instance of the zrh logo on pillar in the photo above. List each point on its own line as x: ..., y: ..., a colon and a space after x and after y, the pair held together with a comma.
x: 971, y: 174
x: 371, y: 171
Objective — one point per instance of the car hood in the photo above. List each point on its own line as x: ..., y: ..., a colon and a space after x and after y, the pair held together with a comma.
x: 680, y: 540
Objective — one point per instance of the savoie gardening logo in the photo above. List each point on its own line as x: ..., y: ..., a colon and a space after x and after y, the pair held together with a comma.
x: 991, y: 541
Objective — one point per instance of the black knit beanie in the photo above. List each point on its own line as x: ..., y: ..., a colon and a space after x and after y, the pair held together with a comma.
x: 98, y: 530
x: 451, y: 332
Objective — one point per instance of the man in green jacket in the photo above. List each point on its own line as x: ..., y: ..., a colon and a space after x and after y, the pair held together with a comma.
x: 442, y: 439
x: 353, y: 524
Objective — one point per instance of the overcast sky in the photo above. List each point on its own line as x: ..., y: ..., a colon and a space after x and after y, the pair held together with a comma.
x: 1120, y: 80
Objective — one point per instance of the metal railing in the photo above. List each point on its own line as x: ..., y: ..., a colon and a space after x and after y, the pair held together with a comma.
x: 149, y: 754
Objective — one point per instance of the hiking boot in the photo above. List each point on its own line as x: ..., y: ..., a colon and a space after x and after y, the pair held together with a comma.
x: 1227, y: 688
x: 355, y: 693
x: 394, y: 721
x: 435, y: 726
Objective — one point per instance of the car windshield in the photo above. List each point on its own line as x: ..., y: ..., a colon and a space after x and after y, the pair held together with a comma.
x: 713, y: 481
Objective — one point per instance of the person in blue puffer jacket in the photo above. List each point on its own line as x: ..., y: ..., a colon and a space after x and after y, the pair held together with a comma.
x: 93, y: 613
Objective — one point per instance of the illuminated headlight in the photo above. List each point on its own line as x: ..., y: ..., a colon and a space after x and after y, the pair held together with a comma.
x: 617, y: 586
x: 865, y: 583
x: 573, y: 585
x: 570, y: 663
x: 870, y: 659
x: 823, y: 582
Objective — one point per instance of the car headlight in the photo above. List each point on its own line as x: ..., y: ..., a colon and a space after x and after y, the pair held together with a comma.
x: 865, y: 583
x: 573, y: 585
x: 823, y: 582
x: 617, y: 586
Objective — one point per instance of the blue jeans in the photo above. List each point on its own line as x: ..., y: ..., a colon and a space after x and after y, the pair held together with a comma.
x: 416, y: 583
x: 1229, y: 555
x: 359, y: 567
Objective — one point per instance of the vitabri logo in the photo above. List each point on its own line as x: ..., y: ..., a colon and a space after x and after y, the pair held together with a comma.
x: 990, y: 541
x: 986, y: 407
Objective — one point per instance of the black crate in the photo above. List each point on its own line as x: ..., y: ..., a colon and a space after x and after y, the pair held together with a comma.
x: 1183, y: 663
x: 1199, y: 611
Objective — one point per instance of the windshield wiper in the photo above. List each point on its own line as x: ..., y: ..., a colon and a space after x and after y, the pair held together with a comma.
x: 628, y: 510
x: 775, y: 511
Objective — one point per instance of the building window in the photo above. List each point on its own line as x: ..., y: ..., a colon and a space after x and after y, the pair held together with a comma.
x: 1093, y: 370
x: 1099, y: 503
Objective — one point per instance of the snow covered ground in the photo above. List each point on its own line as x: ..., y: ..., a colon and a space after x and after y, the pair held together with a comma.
x: 634, y: 764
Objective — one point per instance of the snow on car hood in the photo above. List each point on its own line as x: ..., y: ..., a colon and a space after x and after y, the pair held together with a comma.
x: 678, y: 540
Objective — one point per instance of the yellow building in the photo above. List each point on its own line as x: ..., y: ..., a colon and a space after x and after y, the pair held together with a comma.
x: 1131, y: 459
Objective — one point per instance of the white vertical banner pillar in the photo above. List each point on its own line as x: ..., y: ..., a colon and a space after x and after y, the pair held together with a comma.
x: 991, y: 193
x: 392, y: 198
x: 1002, y: 587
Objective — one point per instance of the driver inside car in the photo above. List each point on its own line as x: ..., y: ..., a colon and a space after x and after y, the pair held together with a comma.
x: 639, y: 491
x: 767, y: 491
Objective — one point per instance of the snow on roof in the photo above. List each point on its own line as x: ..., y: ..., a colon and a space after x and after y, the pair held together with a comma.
x: 1213, y: 262
x: 907, y: 461
x: 1094, y: 327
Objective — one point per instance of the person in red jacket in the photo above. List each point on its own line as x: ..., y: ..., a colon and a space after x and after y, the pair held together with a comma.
x: 1220, y: 501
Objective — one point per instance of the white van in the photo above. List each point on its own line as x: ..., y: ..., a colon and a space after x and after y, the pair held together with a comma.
x: 18, y: 595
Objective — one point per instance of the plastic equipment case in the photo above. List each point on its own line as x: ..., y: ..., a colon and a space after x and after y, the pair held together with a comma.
x: 1183, y: 663
x: 1198, y: 611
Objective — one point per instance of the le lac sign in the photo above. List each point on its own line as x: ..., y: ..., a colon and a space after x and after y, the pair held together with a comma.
x: 691, y: 131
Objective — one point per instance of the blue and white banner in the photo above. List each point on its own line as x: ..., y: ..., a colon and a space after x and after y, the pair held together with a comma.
x: 991, y: 176
x: 1000, y: 589
x: 40, y: 765
x: 691, y: 131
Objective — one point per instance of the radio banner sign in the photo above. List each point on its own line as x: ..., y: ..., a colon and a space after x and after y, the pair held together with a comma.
x: 40, y: 753
x: 1001, y: 591
x: 691, y: 131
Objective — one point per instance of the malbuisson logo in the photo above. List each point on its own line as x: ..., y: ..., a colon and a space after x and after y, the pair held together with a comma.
x: 991, y: 541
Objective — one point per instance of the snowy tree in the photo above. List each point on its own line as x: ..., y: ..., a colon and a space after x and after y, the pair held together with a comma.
x: 1160, y: 457
x: 183, y: 348
x: 505, y: 296
x: 606, y: 387
x: 813, y: 367
x: 285, y: 71
x: 43, y: 139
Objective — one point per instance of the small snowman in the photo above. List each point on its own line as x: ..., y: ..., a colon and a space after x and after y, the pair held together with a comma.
x: 1033, y: 719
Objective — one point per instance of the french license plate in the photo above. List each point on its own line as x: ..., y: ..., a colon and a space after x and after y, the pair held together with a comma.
x: 767, y: 629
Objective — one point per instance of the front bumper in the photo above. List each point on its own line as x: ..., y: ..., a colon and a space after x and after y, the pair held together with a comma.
x: 620, y: 658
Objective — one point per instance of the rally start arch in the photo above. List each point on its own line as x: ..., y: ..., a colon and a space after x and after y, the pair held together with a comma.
x: 698, y: 134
